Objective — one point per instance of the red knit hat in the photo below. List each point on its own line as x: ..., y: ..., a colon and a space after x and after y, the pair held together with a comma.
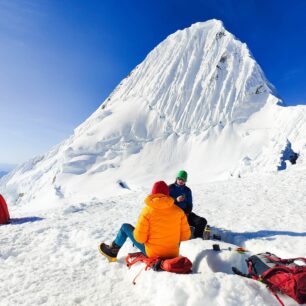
x: 160, y: 187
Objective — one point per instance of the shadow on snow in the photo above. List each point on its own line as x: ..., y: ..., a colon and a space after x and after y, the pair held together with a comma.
x: 25, y: 220
x: 240, y: 238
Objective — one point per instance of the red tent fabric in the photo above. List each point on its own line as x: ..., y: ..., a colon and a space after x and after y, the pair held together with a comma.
x: 4, y: 213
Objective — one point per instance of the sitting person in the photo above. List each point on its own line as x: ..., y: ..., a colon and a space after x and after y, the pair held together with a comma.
x: 159, y: 230
x: 183, y: 199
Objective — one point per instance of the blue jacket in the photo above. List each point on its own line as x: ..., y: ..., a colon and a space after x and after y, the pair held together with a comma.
x: 175, y: 191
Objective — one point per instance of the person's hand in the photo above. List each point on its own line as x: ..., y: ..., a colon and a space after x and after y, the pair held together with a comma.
x: 181, y: 198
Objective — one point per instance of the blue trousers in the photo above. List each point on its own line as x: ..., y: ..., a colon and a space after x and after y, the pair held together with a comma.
x: 126, y: 231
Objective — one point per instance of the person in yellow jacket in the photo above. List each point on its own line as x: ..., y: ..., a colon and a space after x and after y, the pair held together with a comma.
x: 160, y: 228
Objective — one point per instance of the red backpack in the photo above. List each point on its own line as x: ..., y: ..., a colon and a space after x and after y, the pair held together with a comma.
x: 280, y: 275
x: 180, y: 264
x: 4, y: 213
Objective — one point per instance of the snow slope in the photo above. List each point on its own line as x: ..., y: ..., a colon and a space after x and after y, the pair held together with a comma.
x: 6, y: 168
x: 51, y: 257
x: 198, y: 101
x: 2, y: 173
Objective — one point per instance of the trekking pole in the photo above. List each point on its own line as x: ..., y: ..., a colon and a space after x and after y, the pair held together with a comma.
x: 134, y: 280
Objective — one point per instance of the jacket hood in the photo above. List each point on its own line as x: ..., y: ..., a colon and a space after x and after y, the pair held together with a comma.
x: 159, y: 201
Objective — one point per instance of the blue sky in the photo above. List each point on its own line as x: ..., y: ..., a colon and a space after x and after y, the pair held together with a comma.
x: 59, y: 59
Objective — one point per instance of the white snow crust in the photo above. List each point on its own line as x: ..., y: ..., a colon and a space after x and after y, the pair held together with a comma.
x: 199, y: 102
x: 51, y: 257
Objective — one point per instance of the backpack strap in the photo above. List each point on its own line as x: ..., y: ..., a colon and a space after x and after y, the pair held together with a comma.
x: 251, y: 274
x: 132, y: 258
x: 151, y: 262
x: 274, y: 270
x: 238, y: 272
x: 285, y: 261
x: 276, y: 296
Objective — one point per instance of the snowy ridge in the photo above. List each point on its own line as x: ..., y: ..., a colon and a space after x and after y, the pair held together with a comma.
x: 198, y: 77
x: 198, y: 101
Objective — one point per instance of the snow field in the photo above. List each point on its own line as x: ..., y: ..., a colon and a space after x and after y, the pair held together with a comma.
x: 51, y: 257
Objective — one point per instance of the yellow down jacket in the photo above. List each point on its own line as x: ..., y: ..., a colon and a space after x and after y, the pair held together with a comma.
x: 161, y: 226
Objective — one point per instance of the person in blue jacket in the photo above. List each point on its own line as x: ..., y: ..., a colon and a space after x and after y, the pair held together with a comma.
x: 182, y: 196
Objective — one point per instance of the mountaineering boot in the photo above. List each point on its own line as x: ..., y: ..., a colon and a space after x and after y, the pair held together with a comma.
x: 109, y: 251
x: 206, y: 234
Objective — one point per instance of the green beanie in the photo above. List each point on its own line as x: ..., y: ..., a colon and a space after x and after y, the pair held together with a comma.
x: 182, y: 174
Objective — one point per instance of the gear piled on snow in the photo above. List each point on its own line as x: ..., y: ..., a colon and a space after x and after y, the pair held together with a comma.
x: 4, y: 213
x: 280, y: 275
x: 179, y: 264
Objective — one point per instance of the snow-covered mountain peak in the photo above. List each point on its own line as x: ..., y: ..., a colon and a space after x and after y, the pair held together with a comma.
x: 197, y: 77
x: 198, y: 101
